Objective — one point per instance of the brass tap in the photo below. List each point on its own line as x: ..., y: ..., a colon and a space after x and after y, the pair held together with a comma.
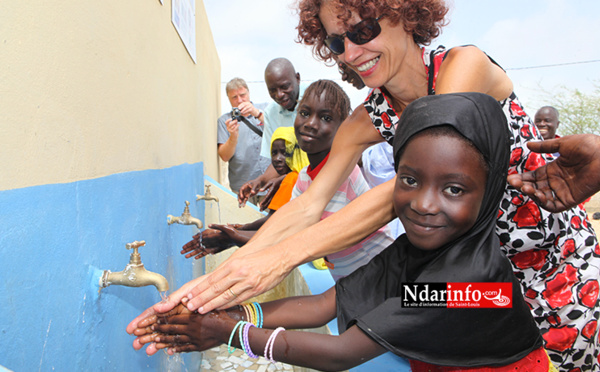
x: 134, y: 275
x: 186, y: 218
x: 207, y: 195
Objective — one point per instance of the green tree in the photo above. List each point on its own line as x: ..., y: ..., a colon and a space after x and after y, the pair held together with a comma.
x: 578, y: 112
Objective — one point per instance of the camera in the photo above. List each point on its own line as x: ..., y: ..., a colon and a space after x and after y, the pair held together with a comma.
x: 236, y: 114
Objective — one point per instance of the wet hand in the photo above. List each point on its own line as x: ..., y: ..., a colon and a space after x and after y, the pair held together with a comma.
x: 143, y: 329
x: 237, y: 226
x: 209, y: 241
x: 181, y: 330
x: 247, y: 190
x: 272, y: 186
x: 164, y: 306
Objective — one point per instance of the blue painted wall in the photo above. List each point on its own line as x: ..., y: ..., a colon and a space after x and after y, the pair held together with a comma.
x: 55, y: 241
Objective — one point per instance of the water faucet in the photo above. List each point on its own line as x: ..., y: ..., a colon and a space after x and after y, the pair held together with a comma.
x: 207, y: 195
x: 186, y: 218
x: 134, y: 275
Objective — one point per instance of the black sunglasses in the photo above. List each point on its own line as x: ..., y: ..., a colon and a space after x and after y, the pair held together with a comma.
x: 361, y: 33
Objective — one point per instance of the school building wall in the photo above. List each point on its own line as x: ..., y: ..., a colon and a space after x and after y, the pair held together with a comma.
x: 106, y: 126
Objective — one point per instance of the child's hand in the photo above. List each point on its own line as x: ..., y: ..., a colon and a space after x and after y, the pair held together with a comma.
x: 209, y: 241
x: 146, y: 334
x: 247, y: 190
x: 181, y: 330
x: 235, y: 236
x: 272, y: 186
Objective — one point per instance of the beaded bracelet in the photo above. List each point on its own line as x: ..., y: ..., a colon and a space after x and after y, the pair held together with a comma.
x: 259, y: 313
x: 270, y: 343
x: 238, y: 324
x: 246, y: 341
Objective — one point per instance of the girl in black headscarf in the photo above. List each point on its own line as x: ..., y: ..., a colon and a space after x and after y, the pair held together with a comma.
x: 373, y: 298
x: 451, y: 156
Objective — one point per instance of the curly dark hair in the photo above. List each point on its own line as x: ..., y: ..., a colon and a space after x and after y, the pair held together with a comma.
x: 423, y: 19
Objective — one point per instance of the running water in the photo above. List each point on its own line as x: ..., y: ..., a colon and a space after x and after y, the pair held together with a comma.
x: 175, y: 362
x: 164, y: 297
x: 219, y: 211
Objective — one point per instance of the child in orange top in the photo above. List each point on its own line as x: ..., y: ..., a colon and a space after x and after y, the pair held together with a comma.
x: 287, y: 159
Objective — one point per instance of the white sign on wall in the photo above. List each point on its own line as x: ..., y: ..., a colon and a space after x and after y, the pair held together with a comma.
x: 184, y: 19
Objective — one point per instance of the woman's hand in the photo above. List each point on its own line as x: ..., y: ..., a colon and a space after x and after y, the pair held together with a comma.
x: 567, y: 181
x: 243, y: 276
x: 172, y: 301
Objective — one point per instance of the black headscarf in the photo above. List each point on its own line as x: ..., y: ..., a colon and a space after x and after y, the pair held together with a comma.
x: 371, y: 297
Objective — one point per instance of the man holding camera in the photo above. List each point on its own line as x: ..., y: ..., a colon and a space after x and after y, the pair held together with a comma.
x: 239, y: 135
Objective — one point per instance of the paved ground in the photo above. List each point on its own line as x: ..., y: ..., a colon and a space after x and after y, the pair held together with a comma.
x: 218, y: 359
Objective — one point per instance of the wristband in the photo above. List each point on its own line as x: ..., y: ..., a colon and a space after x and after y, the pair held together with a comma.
x: 270, y: 343
x: 247, y: 313
x: 246, y: 341
x: 241, y: 322
x: 259, y: 314
x: 252, y: 313
x: 241, y: 335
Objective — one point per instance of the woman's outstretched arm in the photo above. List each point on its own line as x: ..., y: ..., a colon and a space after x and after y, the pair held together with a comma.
x: 249, y: 274
x: 465, y: 69
x: 341, y: 230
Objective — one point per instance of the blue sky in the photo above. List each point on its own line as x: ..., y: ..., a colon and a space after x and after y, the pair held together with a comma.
x: 516, y: 33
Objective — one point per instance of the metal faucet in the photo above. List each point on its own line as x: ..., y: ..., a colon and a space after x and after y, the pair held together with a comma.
x: 186, y: 218
x: 134, y: 275
x: 207, y: 195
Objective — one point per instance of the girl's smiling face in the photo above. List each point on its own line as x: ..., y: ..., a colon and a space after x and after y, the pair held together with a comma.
x: 439, y: 189
x: 316, y: 125
x: 278, y: 157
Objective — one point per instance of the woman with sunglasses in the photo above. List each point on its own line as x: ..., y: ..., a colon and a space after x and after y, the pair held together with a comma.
x: 384, y: 41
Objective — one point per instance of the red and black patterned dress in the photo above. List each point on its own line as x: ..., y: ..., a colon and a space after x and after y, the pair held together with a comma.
x: 556, y: 256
